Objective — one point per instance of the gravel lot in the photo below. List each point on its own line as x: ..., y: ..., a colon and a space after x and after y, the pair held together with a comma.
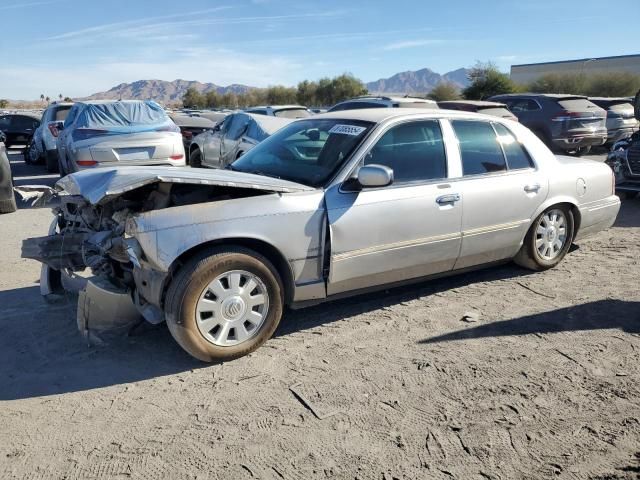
x: 544, y: 384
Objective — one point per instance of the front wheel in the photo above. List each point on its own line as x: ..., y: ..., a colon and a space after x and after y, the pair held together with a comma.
x: 548, y: 240
x: 224, y: 303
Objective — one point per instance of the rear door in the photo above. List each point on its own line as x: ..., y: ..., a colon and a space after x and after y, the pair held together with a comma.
x: 406, y: 230
x: 501, y: 189
x: 231, y: 138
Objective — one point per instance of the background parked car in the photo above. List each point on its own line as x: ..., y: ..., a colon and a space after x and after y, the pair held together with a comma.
x: 488, y: 108
x: 19, y: 128
x: 569, y: 123
x: 7, y: 197
x: 236, y: 134
x: 56, y: 112
x: 624, y: 159
x: 190, y: 126
x: 375, y: 101
x: 116, y: 133
x: 34, y: 152
x: 621, y: 122
x: 282, y: 111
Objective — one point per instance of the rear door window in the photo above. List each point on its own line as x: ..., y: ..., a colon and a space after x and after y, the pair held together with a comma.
x: 479, y: 147
x: 414, y: 151
x: 517, y: 156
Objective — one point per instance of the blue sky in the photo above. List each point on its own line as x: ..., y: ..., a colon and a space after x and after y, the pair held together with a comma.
x: 79, y: 47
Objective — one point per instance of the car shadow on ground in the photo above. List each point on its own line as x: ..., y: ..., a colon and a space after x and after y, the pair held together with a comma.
x: 629, y: 215
x: 599, y: 315
x: 297, y: 320
x: 42, y: 353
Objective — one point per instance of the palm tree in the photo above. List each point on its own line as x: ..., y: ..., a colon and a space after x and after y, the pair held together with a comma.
x: 47, y: 99
x: 60, y: 96
x: 42, y: 97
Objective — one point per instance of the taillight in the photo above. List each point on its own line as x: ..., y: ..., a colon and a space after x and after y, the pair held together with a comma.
x: 187, y: 134
x: 86, y: 163
x: 565, y: 115
x: 54, y: 130
x: 176, y: 157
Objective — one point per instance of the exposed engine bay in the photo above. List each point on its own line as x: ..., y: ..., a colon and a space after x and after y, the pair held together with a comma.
x: 93, y: 236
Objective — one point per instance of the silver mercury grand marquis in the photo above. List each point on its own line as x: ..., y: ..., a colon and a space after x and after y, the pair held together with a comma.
x: 328, y: 206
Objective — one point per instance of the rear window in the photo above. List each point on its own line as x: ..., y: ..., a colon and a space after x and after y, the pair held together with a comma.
x: 356, y: 106
x: 61, y: 113
x: 418, y: 105
x: 577, y: 104
x: 292, y: 113
x: 479, y: 147
x: 496, y: 112
x: 517, y: 156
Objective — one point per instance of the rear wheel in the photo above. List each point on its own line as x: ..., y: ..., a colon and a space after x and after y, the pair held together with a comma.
x: 224, y: 303
x: 548, y: 240
x: 195, y: 158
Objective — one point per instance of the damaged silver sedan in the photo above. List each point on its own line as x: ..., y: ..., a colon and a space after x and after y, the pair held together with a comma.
x: 332, y: 205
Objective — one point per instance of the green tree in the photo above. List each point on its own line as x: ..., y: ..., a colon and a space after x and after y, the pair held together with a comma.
x: 280, y: 95
x: 4, y: 103
x: 212, y: 99
x: 486, y: 81
x: 306, y: 94
x: 193, y: 99
x: 68, y: 99
x: 444, y: 91
x: 346, y: 86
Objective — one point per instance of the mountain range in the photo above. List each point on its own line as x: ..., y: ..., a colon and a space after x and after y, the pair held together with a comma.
x: 410, y: 82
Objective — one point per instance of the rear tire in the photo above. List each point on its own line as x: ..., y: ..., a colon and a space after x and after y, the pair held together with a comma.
x: 548, y: 235
x: 209, y: 334
x: 52, y: 161
x: 578, y: 152
x: 195, y: 158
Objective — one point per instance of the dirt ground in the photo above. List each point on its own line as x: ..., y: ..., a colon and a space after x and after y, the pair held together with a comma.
x: 544, y: 384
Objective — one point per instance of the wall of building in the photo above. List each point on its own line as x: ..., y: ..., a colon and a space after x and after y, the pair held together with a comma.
x: 530, y: 72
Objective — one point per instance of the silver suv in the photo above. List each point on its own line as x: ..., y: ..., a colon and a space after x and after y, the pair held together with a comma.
x: 376, y: 101
x: 282, y: 111
x: 56, y: 112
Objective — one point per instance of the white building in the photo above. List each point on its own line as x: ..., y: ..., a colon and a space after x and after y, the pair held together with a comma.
x: 529, y: 72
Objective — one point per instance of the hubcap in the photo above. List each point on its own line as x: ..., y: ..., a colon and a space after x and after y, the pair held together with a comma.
x: 232, y: 308
x: 551, y: 234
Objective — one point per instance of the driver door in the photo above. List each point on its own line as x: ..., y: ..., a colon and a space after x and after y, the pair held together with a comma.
x: 409, y: 229
x: 212, y: 144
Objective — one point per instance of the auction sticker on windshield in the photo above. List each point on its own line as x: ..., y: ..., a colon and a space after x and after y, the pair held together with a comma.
x: 347, y: 130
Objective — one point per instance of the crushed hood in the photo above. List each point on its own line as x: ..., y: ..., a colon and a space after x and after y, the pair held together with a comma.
x: 102, y: 184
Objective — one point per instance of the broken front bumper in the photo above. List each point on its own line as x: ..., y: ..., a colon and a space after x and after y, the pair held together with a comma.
x: 104, y: 309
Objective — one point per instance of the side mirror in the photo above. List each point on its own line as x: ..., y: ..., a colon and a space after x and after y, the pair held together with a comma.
x: 371, y: 176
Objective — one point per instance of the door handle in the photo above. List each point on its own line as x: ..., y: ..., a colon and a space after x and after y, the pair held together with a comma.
x: 447, y: 199
x: 533, y: 188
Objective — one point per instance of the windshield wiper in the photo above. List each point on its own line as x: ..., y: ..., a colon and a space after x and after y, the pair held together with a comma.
x: 264, y: 174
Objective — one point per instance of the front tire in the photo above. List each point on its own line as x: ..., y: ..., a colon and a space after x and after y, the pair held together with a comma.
x: 224, y: 303
x: 548, y: 240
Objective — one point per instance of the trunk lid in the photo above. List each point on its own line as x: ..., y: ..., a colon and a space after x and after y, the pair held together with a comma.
x: 102, y: 184
x: 133, y: 147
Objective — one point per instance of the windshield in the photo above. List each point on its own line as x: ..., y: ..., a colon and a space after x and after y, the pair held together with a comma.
x: 307, y: 151
x: 293, y: 113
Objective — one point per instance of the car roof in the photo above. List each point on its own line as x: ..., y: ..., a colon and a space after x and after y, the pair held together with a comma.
x: 388, y: 98
x: 104, y: 102
x: 379, y: 115
x: 477, y: 103
x: 539, y: 95
x: 279, y: 107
